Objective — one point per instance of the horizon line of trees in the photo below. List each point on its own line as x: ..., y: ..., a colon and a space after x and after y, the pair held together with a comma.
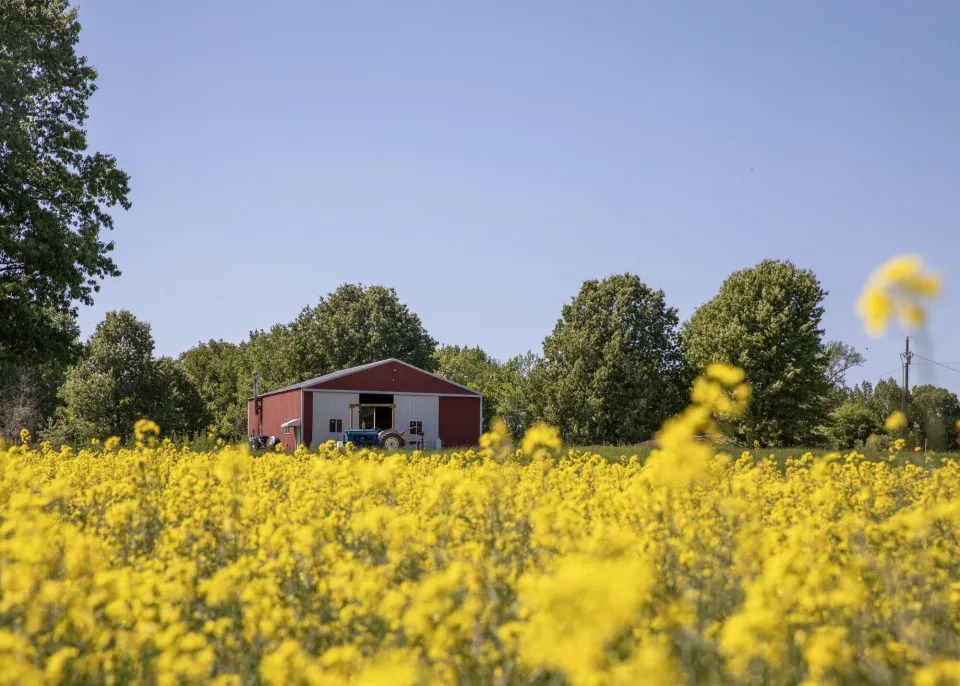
x: 617, y: 363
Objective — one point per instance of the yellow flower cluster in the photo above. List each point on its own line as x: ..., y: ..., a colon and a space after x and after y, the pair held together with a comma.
x: 505, y: 565
x: 897, y: 289
x: 684, y: 452
x: 896, y: 421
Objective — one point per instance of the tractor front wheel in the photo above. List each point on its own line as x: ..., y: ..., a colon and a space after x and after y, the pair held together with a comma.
x: 391, y: 440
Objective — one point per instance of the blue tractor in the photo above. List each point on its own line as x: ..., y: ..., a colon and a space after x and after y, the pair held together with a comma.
x: 387, y: 439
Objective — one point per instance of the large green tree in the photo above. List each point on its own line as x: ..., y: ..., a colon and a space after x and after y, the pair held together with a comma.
x: 118, y: 381
x: 215, y: 369
x: 840, y: 358
x: 766, y: 319
x: 612, y: 369
x: 28, y: 389
x: 885, y: 397
x: 516, y: 404
x: 54, y: 194
x: 181, y: 411
x: 355, y: 325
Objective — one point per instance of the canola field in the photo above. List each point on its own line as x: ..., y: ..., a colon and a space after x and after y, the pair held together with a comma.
x: 506, y: 565
x: 501, y: 565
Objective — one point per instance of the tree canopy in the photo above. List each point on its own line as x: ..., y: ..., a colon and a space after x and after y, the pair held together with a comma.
x: 117, y: 381
x: 851, y: 424
x: 936, y: 410
x: 766, y: 319
x: 612, y: 369
x: 54, y: 195
x: 840, y: 358
x: 355, y: 325
x: 214, y: 368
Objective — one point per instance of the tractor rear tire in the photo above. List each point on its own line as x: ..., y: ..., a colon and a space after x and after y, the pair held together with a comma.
x: 391, y: 440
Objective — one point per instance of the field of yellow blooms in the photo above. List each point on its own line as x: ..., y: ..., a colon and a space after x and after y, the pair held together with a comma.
x: 506, y: 565
x: 503, y: 565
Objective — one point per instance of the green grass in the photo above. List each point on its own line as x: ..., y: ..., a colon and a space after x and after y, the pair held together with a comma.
x: 623, y: 453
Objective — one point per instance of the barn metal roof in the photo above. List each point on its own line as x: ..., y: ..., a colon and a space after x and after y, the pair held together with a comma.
x: 353, y: 370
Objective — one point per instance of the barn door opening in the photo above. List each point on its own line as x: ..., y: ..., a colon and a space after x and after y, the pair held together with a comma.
x: 377, y: 417
x: 366, y: 417
x: 383, y: 418
x: 380, y: 415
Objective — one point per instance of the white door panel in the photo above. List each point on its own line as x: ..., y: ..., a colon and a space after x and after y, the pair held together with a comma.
x: 419, y: 408
x: 327, y: 406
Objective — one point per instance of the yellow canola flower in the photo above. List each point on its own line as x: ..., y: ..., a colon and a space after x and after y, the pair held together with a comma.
x: 342, y: 567
x: 897, y: 420
x: 727, y: 374
x: 897, y: 288
x: 573, y: 618
x: 941, y: 671
x: 146, y: 432
x: 684, y: 454
x: 540, y: 437
x: 231, y: 465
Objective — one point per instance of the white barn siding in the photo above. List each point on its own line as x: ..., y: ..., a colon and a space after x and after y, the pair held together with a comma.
x: 327, y: 406
x: 421, y: 408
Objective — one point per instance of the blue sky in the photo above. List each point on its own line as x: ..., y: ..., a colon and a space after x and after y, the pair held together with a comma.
x: 486, y: 158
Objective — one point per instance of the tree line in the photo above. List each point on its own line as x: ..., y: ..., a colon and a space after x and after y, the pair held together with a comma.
x: 617, y: 363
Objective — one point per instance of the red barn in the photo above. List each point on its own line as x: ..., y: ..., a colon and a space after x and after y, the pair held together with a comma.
x: 394, y: 395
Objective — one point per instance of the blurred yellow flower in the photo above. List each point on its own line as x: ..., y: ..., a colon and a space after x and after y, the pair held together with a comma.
x: 897, y: 288
x: 145, y: 430
x: 540, y: 437
x: 897, y: 420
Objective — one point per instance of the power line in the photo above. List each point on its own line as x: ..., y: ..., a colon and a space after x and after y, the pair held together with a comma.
x: 885, y: 374
x: 939, y: 364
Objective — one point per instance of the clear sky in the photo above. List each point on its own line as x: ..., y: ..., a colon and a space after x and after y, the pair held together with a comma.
x: 485, y: 158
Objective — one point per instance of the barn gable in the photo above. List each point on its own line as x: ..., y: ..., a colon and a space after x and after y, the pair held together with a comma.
x: 389, y: 376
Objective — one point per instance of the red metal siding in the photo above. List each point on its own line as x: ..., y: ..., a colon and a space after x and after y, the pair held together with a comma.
x: 392, y: 377
x: 307, y: 419
x: 277, y: 409
x: 459, y: 420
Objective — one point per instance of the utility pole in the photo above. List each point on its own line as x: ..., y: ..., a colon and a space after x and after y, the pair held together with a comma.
x: 906, y: 356
x: 257, y: 403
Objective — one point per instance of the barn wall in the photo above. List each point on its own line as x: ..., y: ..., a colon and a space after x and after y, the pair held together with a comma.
x: 459, y: 420
x: 307, y: 419
x: 277, y: 409
x: 422, y: 408
x: 327, y: 406
x: 392, y: 377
